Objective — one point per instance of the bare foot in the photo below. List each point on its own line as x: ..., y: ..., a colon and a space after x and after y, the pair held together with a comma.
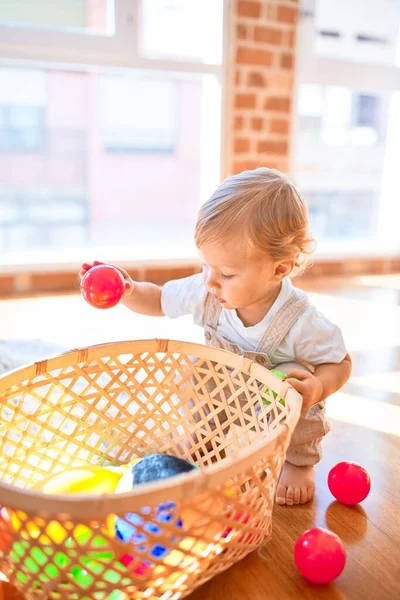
x: 296, y: 485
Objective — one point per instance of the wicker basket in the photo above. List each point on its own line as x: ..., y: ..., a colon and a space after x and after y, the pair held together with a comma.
x: 108, y: 404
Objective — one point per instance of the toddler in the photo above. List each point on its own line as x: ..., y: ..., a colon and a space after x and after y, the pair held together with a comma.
x: 252, y: 235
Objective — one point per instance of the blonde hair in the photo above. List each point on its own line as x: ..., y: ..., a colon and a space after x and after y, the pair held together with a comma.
x: 266, y: 210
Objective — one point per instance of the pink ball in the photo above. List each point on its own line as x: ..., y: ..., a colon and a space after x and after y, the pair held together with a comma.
x: 320, y: 555
x: 349, y: 482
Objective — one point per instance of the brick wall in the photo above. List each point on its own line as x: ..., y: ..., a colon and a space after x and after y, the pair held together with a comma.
x: 261, y: 42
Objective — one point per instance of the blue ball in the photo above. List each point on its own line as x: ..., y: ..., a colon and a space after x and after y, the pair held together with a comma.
x: 134, y: 527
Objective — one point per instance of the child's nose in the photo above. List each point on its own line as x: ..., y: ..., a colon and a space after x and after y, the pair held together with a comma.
x: 211, y: 281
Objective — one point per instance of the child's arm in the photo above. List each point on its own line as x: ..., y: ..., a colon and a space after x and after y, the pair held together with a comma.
x: 141, y: 297
x: 145, y: 298
x: 327, y: 379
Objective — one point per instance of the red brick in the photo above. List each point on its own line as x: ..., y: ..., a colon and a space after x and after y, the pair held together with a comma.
x: 277, y: 103
x: 377, y: 265
x: 246, y: 165
x: 163, y: 274
x: 237, y: 77
x: 6, y: 284
x: 272, y: 146
x: 241, y: 145
x: 287, y: 14
x: 54, y: 281
x: 241, y: 31
x: 245, y: 101
x: 255, y: 79
x: 333, y: 267
x: 350, y: 266
x: 279, y: 126
x: 268, y: 35
x: 249, y: 9
x: 257, y: 123
x: 253, y: 56
x: 287, y: 61
x: 394, y: 265
x: 238, y: 124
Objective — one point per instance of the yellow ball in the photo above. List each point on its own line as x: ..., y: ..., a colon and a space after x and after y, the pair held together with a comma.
x: 76, y: 481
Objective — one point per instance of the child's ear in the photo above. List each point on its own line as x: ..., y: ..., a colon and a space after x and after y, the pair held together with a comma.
x: 284, y: 268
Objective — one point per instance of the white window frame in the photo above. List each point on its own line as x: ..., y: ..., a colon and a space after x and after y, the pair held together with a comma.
x: 33, y: 44
x: 365, y: 77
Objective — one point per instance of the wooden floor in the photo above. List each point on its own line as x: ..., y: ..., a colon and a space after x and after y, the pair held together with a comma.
x: 365, y: 419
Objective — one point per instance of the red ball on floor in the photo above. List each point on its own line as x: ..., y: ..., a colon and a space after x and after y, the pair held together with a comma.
x: 349, y: 482
x: 320, y: 555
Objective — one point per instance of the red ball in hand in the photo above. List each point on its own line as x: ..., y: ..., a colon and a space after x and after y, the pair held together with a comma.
x: 349, y: 482
x: 320, y: 555
x: 103, y: 286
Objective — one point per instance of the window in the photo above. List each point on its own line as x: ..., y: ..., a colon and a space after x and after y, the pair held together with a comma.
x: 87, y: 16
x: 127, y: 117
x: 139, y: 115
x: 21, y: 128
x: 348, y: 112
x: 22, y: 111
x: 368, y: 111
x: 128, y: 161
x: 42, y: 219
x: 361, y: 30
x: 176, y: 29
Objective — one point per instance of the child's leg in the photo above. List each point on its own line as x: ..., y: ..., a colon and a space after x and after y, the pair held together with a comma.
x: 297, y: 482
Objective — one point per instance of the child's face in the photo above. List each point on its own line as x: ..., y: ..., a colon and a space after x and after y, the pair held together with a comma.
x: 237, y: 278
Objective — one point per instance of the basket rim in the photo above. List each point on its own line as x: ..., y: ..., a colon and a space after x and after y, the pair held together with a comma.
x: 178, y: 488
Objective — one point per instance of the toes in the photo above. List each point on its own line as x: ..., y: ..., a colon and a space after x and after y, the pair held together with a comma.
x: 296, y: 496
x: 290, y: 496
x: 281, y: 494
x: 303, y: 496
x: 310, y: 493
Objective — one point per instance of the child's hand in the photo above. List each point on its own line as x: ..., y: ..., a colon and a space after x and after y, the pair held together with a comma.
x: 309, y: 386
x: 129, y: 283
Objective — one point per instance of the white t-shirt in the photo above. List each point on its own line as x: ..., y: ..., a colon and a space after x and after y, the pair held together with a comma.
x: 313, y: 338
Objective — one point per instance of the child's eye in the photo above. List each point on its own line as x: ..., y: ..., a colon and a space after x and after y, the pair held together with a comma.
x: 227, y: 276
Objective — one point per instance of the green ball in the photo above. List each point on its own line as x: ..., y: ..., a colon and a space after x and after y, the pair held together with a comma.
x: 279, y: 374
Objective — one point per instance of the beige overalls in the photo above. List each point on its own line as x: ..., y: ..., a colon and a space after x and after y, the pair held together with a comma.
x: 305, y: 446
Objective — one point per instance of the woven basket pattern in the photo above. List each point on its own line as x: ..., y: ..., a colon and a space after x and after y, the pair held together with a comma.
x: 105, y: 405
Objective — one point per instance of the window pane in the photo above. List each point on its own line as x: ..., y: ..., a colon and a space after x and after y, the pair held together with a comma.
x: 183, y: 30
x: 139, y: 114
x: 359, y: 30
x: 345, y: 153
x: 123, y: 163
x: 22, y: 126
x: 67, y: 15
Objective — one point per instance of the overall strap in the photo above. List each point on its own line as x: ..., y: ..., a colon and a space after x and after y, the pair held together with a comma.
x: 281, y: 324
x: 212, y: 311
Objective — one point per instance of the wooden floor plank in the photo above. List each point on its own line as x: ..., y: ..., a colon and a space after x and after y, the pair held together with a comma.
x: 364, y: 429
